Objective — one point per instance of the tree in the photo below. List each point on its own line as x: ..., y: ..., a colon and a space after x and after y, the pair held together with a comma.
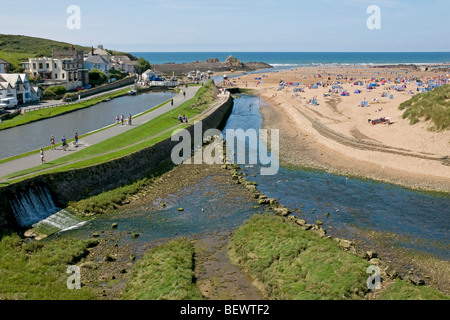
x: 142, y: 65
x: 97, y: 77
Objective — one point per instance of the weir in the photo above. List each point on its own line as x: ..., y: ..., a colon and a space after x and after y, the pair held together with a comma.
x: 35, y: 208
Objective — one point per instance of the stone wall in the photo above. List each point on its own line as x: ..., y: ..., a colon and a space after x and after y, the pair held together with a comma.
x: 110, y: 86
x: 81, y: 183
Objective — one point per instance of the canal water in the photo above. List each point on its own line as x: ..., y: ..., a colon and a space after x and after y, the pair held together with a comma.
x: 35, y: 135
x: 421, y: 221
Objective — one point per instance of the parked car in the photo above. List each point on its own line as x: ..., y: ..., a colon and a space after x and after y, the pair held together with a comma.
x: 3, y: 111
x: 8, y: 103
x: 87, y: 86
x: 79, y: 88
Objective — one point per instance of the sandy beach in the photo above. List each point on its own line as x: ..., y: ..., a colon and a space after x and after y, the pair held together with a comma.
x: 336, y: 135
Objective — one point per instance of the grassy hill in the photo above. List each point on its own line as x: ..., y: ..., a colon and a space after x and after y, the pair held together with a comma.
x: 433, y: 105
x: 18, y: 48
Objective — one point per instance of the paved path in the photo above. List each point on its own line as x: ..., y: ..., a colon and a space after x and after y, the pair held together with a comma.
x: 49, y: 155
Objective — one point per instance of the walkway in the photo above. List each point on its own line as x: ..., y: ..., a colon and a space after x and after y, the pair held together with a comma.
x: 34, y: 160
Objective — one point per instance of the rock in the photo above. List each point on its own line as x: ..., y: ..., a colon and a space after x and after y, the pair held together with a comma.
x: 416, y: 279
x: 374, y: 261
x: 263, y: 201
x: 263, y: 196
x: 109, y: 258
x: 300, y: 222
x: 250, y: 187
x: 345, y: 244
x: 282, y: 211
x: 180, y: 209
x: 391, y: 272
x: 319, y: 223
x: 132, y: 257
x: 306, y: 226
x: 327, y: 214
x: 134, y: 235
x: 163, y: 205
x: 30, y: 234
x: 273, y: 201
x: 320, y: 232
x: 123, y: 271
x: 114, y: 225
x: 371, y: 254
x: 95, y: 235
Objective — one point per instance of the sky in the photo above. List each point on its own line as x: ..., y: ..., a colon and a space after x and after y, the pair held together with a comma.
x: 235, y: 25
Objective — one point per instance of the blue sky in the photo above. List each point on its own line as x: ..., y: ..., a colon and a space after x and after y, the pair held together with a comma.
x: 236, y: 25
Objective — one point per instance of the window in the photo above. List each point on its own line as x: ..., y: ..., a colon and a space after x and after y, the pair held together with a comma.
x: 56, y: 66
x: 34, y: 65
x: 56, y: 76
x: 47, y: 65
x: 40, y: 66
x: 63, y: 75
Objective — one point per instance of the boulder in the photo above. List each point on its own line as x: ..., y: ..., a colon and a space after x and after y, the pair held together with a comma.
x: 416, y: 279
x: 374, y: 261
x: 345, y: 244
x: 300, y: 222
x: 320, y: 232
x: 114, y: 225
x: 371, y: 254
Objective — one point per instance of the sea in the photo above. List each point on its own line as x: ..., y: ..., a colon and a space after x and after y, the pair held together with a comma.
x: 288, y: 60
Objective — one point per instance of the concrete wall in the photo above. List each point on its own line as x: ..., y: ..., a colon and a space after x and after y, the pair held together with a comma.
x: 81, y: 183
x: 106, y: 87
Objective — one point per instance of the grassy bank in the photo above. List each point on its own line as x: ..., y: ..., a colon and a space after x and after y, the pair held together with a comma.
x: 132, y: 140
x: 31, y: 270
x: 164, y: 273
x: 41, y: 114
x: 433, y: 105
x: 290, y: 263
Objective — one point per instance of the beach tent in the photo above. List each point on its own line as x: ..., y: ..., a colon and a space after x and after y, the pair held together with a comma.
x: 314, y: 87
x: 357, y: 91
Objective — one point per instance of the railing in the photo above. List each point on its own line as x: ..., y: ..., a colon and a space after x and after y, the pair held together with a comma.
x: 164, y: 83
x: 70, y: 102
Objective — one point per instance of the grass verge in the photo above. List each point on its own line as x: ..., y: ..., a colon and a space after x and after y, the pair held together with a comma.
x: 289, y: 263
x: 32, y: 270
x: 165, y: 272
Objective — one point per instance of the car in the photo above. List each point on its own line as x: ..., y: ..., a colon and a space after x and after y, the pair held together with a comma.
x: 79, y: 88
x: 87, y: 86
x: 8, y: 103
x: 3, y: 111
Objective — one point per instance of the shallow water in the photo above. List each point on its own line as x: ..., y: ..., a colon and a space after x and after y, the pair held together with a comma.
x: 420, y: 220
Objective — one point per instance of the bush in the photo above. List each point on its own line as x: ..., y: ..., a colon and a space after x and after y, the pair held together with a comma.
x: 54, y: 92
x: 97, y: 77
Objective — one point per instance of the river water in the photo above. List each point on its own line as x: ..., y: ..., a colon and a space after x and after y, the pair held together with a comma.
x: 420, y: 221
x: 35, y: 135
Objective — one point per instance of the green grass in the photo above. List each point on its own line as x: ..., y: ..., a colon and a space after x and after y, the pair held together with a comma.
x: 139, y: 135
x: 401, y: 290
x: 165, y: 272
x: 32, y: 270
x: 433, y: 106
x: 37, y: 115
x: 290, y: 263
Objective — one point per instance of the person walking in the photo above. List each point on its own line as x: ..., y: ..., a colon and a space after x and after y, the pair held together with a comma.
x: 52, y: 142
x: 117, y: 119
x: 171, y: 102
x: 129, y: 119
x: 122, y: 118
x: 42, y: 156
x: 184, y: 94
x: 64, y: 143
x: 76, y: 140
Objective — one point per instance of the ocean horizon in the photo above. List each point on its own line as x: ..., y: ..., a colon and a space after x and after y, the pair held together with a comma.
x: 303, y: 59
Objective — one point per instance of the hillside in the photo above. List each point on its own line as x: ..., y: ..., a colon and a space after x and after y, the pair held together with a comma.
x: 433, y: 105
x: 18, y: 48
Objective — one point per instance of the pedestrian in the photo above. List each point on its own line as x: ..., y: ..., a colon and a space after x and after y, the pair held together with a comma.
x: 76, y: 140
x: 117, y: 119
x: 180, y: 118
x: 184, y: 94
x: 42, y: 156
x: 129, y: 119
x: 122, y: 118
x: 64, y: 142
x: 52, y: 142
x: 171, y: 102
x: 186, y: 119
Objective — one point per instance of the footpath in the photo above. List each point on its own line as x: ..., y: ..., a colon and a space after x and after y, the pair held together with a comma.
x: 94, y: 138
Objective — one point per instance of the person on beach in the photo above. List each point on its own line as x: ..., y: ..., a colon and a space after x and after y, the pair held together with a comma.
x: 52, y: 142
x: 64, y: 143
x: 76, y: 140
x: 42, y: 156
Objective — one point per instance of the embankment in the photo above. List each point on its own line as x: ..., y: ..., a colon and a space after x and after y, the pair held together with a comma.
x: 77, y: 184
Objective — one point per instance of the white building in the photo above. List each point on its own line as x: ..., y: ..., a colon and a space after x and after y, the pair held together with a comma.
x: 17, y: 85
x: 56, y: 72
x: 4, y: 66
x: 97, y: 62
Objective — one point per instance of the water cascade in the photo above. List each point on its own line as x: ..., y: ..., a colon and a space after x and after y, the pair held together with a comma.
x: 35, y: 208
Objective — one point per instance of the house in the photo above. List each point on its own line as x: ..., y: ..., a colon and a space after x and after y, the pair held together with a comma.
x: 98, y: 62
x: 16, y: 85
x: 57, y: 72
x: 150, y: 75
x: 4, y: 66
x: 130, y: 67
x: 100, y: 52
